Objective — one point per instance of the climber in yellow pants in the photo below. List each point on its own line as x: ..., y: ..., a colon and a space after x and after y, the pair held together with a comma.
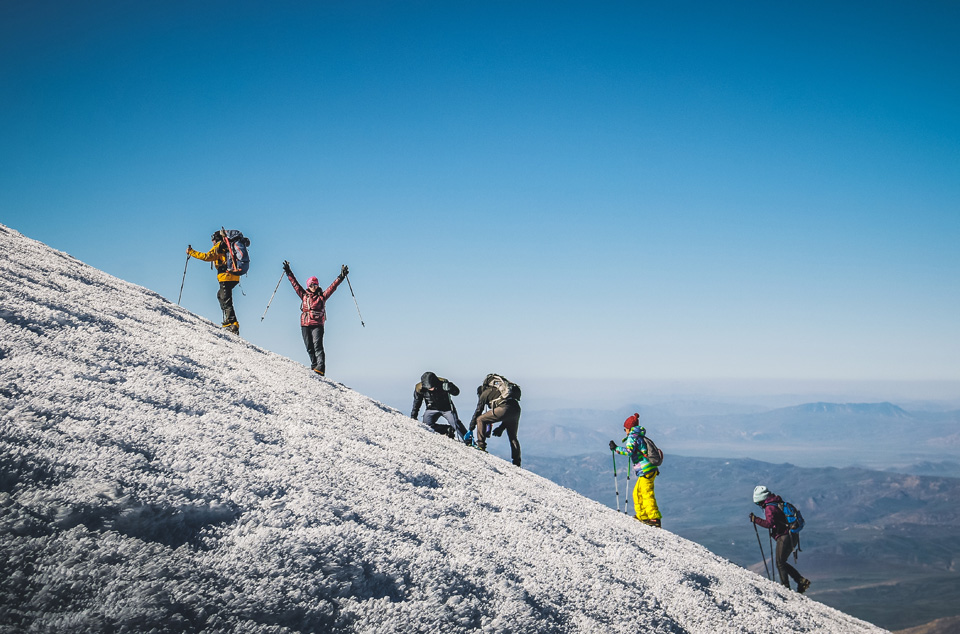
x: 644, y: 500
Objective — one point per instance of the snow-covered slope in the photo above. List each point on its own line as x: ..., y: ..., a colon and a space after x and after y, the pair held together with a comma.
x: 157, y: 474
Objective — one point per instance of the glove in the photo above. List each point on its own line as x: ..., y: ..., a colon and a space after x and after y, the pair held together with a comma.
x: 753, y: 518
x: 344, y: 271
x: 189, y: 249
x: 286, y: 267
x: 613, y: 446
x: 498, y: 431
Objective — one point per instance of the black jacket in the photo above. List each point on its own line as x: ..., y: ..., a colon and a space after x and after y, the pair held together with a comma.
x: 436, y: 399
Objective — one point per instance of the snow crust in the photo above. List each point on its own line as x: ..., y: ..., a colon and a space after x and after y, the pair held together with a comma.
x: 160, y: 475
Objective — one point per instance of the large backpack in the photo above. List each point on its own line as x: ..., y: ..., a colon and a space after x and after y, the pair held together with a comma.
x: 237, y: 243
x: 654, y: 453
x: 507, y: 389
x: 794, y: 519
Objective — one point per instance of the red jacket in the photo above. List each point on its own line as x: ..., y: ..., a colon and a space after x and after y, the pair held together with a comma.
x: 313, y: 303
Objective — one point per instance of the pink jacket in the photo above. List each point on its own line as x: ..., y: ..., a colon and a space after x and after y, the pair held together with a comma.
x: 313, y: 304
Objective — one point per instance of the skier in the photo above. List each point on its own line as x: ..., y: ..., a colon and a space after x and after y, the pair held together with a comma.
x: 314, y: 314
x: 435, y: 392
x: 776, y: 521
x: 219, y: 256
x: 644, y: 500
x: 503, y: 410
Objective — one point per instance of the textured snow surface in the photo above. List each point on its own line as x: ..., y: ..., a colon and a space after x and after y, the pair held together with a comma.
x: 159, y: 475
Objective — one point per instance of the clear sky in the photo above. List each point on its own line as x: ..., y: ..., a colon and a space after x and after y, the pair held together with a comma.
x: 552, y: 190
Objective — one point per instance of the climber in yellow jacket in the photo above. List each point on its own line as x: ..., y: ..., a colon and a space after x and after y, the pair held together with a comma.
x: 219, y: 256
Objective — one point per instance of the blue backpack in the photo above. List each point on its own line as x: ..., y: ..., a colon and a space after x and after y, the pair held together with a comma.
x: 794, y: 518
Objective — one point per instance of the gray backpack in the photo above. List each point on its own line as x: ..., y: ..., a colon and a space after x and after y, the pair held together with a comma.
x: 507, y: 389
x: 654, y: 453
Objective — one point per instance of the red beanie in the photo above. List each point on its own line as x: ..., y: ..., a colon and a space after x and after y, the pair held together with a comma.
x: 631, y: 422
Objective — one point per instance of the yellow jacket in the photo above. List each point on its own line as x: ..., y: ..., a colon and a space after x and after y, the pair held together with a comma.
x: 219, y: 259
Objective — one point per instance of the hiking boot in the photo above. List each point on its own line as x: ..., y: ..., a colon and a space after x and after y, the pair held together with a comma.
x: 318, y: 371
x: 803, y: 585
x: 482, y: 448
x: 233, y: 327
x: 655, y: 523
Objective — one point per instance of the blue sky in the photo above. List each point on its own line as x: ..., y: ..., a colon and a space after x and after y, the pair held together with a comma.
x: 552, y: 190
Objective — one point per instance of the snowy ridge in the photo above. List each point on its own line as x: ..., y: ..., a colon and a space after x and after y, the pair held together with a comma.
x: 157, y: 474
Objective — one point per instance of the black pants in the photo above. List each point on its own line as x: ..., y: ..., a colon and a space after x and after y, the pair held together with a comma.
x: 225, y: 295
x: 313, y: 340
x: 785, y: 546
x: 508, y: 413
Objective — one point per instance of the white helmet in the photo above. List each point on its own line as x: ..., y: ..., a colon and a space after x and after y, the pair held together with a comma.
x: 760, y: 494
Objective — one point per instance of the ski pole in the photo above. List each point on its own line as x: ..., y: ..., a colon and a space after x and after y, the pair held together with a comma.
x: 616, y: 482
x: 347, y: 277
x: 271, y: 297
x: 180, y: 296
x: 760, y: 544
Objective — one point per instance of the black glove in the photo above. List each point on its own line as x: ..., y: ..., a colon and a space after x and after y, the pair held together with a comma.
x: 498, y: 431
x: 753, y: 518
x: 613, y: 446
x: 286, y: 267
x: 344, y: 271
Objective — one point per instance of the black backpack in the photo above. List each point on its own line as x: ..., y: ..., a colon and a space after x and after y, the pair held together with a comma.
x: 238, y: 258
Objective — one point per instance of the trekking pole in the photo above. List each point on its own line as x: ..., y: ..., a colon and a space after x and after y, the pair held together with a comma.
x: 616, y: 482
x: 347, y: 277
x: 760, y: 544
x: 772, y: 567
x: 180, y: 296
x: 626, y: 492
x: 459, y: 430
x: 271, y: 297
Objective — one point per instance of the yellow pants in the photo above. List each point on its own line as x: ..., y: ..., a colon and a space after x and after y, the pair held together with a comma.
x: 644, y: 502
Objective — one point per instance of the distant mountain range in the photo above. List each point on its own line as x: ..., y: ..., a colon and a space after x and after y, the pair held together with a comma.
x: 877, y: 435
x: 878, y: 545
